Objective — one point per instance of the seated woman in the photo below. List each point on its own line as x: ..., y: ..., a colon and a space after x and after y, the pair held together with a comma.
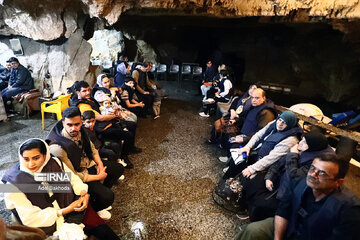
x: 102, y: 89
x: 270, y: 143
x: 50, y: 210
x: 262, y: 198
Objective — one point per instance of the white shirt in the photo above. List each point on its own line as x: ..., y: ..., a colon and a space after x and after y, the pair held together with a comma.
x: 34, y: 216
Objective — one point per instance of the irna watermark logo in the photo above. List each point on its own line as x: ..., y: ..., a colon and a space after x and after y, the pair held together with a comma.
x: 52, y: 177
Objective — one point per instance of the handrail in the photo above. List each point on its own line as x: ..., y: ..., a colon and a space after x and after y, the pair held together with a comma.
x: 323, y: 125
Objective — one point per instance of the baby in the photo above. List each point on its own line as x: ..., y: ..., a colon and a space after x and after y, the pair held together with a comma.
x: 107, y: 108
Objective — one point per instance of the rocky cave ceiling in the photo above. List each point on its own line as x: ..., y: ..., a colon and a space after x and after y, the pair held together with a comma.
x: 55, y: 33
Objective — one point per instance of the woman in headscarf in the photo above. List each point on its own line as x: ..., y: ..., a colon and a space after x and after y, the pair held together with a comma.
x: 44, y: 207
x: 102, y: 90
x: 262, y: 198
x: 270, y: 143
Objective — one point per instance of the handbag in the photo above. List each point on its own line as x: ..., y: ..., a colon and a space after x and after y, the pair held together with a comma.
x: 231, y: 191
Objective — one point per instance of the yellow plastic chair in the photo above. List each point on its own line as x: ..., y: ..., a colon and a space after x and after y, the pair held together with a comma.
x: 57, y: 106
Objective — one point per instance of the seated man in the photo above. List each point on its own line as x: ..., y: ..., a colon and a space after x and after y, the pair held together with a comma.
x: 316, y: 207
x: 209, y: 75
x: 223, y: 94
x: 105, y: 124
x: 20, y: 80
x: 143, y: 85
x: 260, y: 114
x: 5, y: 75
x: 240, y: 106
x: 70, y: 143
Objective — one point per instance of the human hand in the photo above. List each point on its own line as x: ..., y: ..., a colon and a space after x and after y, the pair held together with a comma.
x: 99, y: 167
x: 239, y: 139
x: 102, y: 174
x: 74, y: 205
x: 84, y: 201
x: 146, y: 93
x: 244, y: 149
x: 246, y: 172
x: 294, y: 149
x: 269, y: 184
x: 9, y: 87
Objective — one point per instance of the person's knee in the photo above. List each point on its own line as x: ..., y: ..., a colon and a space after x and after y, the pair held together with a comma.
x: 261, y: 230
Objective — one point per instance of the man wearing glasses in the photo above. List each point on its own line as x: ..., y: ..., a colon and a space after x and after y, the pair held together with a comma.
x: 318, y: 207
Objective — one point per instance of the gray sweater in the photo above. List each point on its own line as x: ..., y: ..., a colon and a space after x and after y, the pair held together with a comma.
x: 279, y: 150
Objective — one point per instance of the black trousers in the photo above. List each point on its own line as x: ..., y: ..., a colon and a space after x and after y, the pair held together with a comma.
x: 101, y: 195
x: 111, y: 151
x: 148, y: 100
x: 117, y: 135
x: 237, y: 169
x: 138, y: 111
x: 261, y: 202
x: 102, y: 232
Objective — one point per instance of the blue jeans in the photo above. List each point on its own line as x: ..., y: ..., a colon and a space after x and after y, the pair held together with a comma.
x: 8, y: 93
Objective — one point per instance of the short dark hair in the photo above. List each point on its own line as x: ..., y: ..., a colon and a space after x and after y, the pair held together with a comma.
x: 338, y: 160
x: 71, y: 112
x: 128, y: 79
x: 224, y: 72
x: 145, y: 64
x: 81, y: 84
x: 31, y: 144
x: 88, y: 115
x: 13, y: 59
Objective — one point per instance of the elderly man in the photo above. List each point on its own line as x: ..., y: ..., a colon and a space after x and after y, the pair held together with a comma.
x: 260, y: 114
x: 318, y: 207
x: 20, y: 80
x: 70, y: 143
x: 5, y: 75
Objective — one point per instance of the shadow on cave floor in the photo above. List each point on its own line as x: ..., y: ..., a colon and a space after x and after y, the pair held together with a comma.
x: 169, y: 190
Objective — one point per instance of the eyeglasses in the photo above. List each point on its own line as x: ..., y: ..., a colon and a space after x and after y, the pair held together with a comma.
x: 320, y: 173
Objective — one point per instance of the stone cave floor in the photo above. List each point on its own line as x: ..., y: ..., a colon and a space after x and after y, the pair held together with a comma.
x: 169, y: 191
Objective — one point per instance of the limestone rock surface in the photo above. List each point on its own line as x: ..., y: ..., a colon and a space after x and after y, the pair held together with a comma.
x: 339, y: 9
x: 106, y: 44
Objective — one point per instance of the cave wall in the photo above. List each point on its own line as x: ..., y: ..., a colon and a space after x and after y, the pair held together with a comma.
x: 54, y: 35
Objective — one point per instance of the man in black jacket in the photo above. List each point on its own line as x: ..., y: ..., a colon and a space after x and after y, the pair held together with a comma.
x: 20, y: 80
x: 317, y: 207
x: 5, y: 75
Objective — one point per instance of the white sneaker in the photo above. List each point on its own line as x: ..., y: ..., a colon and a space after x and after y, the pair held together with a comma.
x: 104, y: 214
x: 223, y: 159
x: 209, y: 101
x: 225, y: 169
x: 202, y: 114
x: 121, y: 161
x: 108, y: 208
x: 122, y: 177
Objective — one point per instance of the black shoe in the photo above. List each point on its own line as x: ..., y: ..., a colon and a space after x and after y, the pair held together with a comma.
x: 136, y: 150
x: 129, y: 165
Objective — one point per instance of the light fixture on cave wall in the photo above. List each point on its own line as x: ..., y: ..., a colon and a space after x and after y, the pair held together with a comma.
x: 16, y: 46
